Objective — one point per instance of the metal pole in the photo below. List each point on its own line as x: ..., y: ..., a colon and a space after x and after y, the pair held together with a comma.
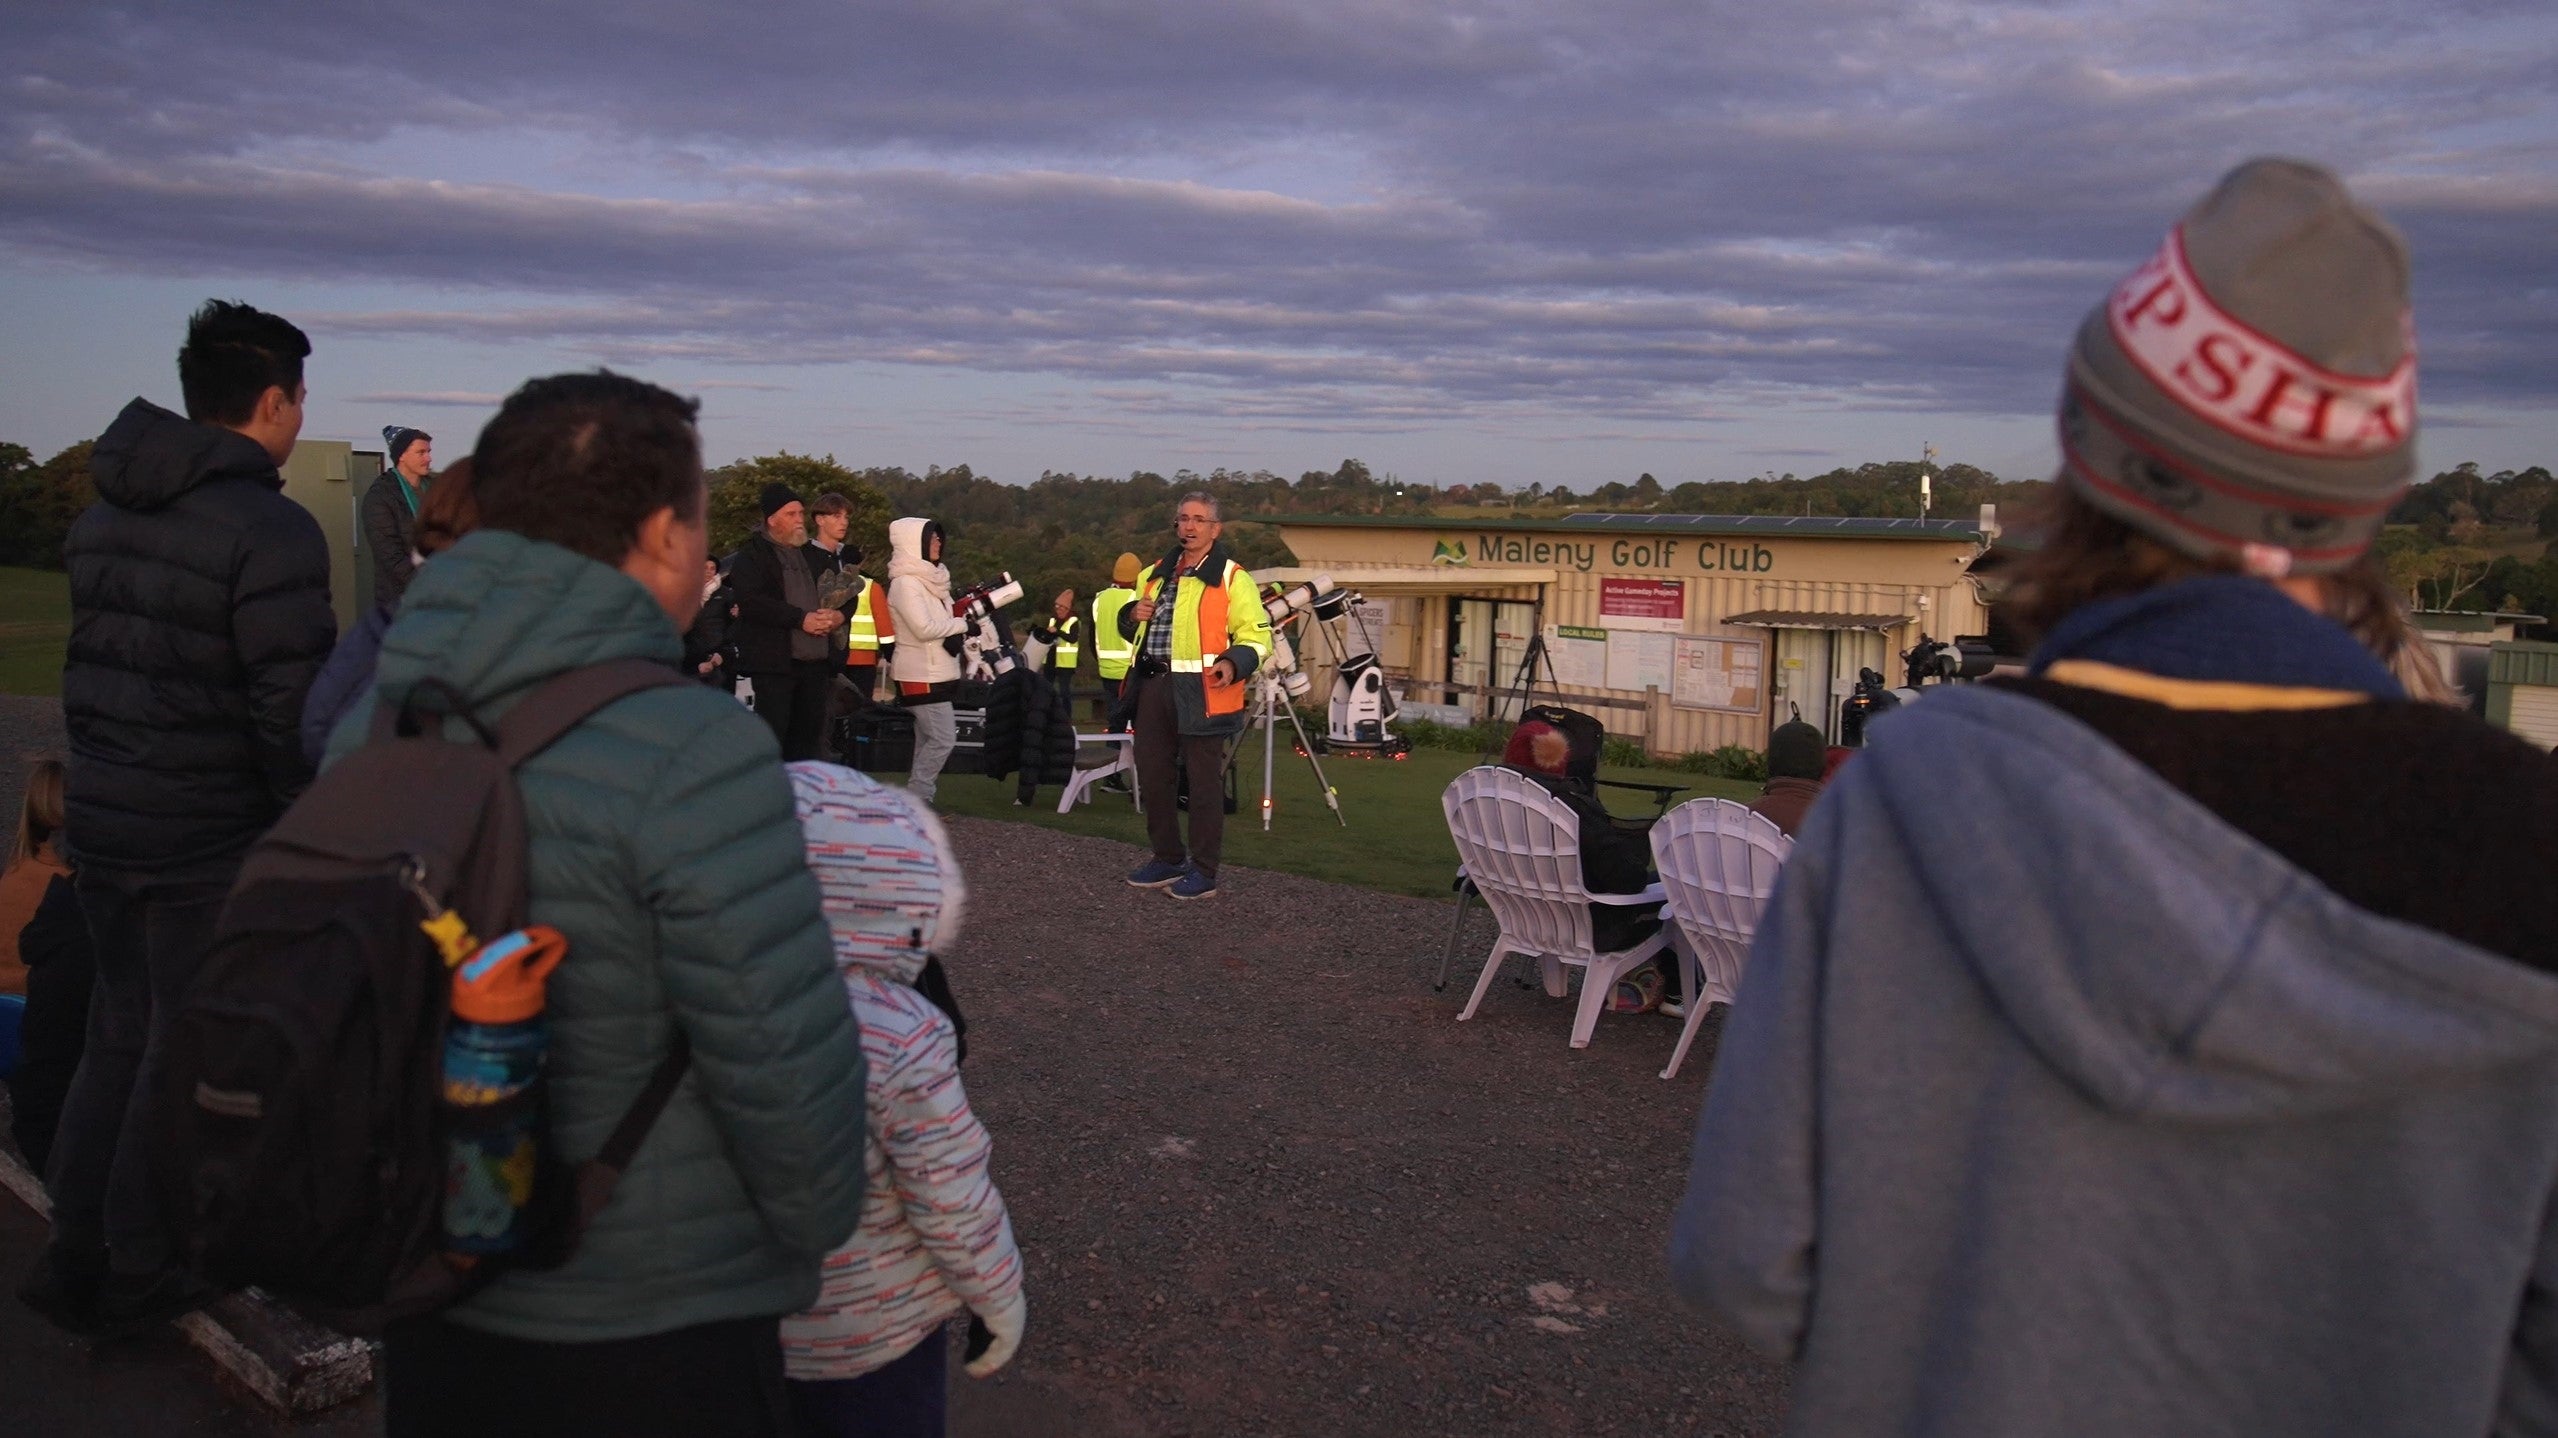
x: 1269, y: 750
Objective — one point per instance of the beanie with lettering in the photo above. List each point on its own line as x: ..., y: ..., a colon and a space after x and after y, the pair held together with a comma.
x: 2249, y: 394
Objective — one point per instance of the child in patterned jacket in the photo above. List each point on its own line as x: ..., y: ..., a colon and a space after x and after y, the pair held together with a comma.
x: 934, y: 1240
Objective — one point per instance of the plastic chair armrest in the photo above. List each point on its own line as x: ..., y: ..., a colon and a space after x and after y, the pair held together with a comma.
x: 1653, y: 895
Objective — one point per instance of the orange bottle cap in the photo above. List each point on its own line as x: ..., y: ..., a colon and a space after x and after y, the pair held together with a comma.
x: 503, y: 982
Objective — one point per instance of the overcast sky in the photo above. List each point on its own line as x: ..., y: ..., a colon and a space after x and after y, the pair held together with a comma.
x: 1514, y: 241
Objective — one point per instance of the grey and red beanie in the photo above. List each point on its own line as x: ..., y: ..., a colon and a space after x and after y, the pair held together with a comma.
x: 2249, y: 394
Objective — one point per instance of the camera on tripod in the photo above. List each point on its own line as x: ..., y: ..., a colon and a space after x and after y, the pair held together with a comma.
x: 1967, y: 657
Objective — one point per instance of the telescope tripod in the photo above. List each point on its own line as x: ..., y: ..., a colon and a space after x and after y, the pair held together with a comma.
x: 1268, y: 703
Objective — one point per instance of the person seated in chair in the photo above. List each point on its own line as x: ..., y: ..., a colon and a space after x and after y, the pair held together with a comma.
x: 1798, y: 762
x: 1613, y: 860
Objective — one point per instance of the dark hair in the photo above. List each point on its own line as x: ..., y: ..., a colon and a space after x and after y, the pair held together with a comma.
x: 233, y: 355
x: 2088, y: 555
x: 582, y: 460
x: 450, y: 510
x: 830, y: 503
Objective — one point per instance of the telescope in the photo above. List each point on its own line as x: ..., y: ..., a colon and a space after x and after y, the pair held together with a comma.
x: 1360, y: 705
x: 986, y: 636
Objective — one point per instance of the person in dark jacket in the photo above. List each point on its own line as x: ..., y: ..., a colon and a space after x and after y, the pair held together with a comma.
x: 391, y: 508
x: 1614, y: 860
x: 1797, y: 758
x: 707, y: 652
x: 199, y: 614
x: 664, y: 846
x: 449, y: 513
x: 61, y: 970
x: 1030, y: 731
x: 2146, y: 1045
x: 782, y: 631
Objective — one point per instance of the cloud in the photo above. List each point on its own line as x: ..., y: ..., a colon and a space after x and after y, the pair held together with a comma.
x: 467, y: 398
x: 1327, y: 215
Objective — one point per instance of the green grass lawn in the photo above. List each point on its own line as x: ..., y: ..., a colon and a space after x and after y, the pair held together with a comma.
x: 35, y: 626
x: 1397, y: 839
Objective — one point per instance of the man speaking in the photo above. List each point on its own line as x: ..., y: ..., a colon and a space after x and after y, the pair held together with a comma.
x: 1197, y: 642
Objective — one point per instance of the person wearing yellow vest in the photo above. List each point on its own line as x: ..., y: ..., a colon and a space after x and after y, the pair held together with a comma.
x: 1200, y: 632
x: 1063, y: 633
x: 870, y: 633
x: 1114, y: 653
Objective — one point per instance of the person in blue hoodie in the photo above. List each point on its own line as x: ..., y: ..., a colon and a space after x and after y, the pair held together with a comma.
x: 2148, y: 1046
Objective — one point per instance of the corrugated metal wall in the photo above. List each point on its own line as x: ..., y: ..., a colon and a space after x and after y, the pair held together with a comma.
x: 1952, y: 608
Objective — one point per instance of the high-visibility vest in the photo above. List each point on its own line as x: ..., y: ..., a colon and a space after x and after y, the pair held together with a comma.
x: 1210, y: 616
x: 1065, y: 651
x: 1113, y: 652
x: 864, y: 632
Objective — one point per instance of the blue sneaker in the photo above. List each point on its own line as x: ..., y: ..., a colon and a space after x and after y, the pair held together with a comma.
x: 1195, y: 883
x: 1155, y: 873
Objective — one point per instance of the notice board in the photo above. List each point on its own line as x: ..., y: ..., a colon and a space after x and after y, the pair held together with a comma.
x: 1643, y: 604
x: 1580, y: 657
x: 1725, y: 675
x: 1639, y: 660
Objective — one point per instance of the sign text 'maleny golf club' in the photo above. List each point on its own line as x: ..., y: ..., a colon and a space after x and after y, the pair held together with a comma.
x: 1710, y: 556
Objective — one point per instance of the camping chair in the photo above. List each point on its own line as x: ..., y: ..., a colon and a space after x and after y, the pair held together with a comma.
x: 1522, y: 849
x: 1718, y: 863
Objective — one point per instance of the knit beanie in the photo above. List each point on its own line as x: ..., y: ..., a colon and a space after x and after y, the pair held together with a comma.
x: 2249, y: 394
x: 887, y: 880
x: 396, y: 440
x: 1537, y: 747
x: 775, y: 496
x: 1797, y: 751
x: 1126, y: 570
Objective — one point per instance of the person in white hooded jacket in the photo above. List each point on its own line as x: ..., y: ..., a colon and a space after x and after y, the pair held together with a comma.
x: 926, y: 667
x: 935, y: 1239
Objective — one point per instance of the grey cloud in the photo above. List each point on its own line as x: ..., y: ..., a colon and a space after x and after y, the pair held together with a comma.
x: 463, y: 398
x: 1299, y: 212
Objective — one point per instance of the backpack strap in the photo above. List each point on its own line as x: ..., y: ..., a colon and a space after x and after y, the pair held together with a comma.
x: 563, y: 703
x: 600, y: 1175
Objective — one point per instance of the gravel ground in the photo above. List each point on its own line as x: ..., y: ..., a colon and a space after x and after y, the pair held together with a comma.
x: 1265, y: 1184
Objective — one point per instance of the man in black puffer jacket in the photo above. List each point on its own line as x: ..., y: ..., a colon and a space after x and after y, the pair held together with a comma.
x: 199, y: 614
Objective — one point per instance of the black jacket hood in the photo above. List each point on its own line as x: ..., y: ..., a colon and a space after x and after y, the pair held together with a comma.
x: 149, y: 457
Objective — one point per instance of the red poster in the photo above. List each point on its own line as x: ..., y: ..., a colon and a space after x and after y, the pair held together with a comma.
x: 1642, y: 603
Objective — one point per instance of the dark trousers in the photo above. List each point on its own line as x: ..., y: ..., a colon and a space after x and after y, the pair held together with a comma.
x: 717, y: 1380
x: 864, y: 679
x: 1111, y: 690
x: 793, y: 702
x: 906, y: 1399
x: 148, y: 935
x: 1163, y: 754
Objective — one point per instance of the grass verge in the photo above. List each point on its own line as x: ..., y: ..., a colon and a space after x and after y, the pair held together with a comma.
x: 1396, y: 839
x: 35, y: 628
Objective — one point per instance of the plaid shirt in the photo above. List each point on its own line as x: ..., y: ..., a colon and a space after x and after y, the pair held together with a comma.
x: 1159, y: 632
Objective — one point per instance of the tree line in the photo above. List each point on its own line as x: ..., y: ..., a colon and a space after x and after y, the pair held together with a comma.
x: 2463, y: 539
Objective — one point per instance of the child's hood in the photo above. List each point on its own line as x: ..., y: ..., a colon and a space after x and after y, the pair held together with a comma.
x: 887, y: 878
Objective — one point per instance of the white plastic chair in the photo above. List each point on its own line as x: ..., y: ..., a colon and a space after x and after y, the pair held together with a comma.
x: 1718, y: 863
x: 1522, y: 848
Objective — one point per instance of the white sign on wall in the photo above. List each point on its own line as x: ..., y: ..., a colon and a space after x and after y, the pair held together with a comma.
x: 1580, y: 657
x: 1640, y: 660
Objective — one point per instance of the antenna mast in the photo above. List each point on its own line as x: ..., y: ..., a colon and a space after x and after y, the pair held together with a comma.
x: 1927, y: 471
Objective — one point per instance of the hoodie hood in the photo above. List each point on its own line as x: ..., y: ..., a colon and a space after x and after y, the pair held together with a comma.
x: 498, y: 613
x: 906, y: 553
x: 149, y: 457
x: 886, y: 876
x: 2162, y: 961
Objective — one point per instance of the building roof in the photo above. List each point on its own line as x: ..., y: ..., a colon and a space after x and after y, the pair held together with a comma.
x: 1769, y: 526
x: 1820, y: 619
